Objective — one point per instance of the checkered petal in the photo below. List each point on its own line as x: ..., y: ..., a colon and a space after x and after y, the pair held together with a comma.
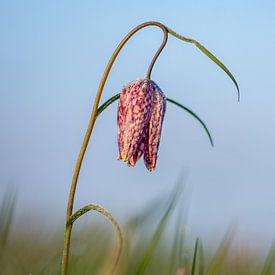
x: 140, y: 115
x: 135, y: 107
x: 154, y: 127
x: 139, y: 152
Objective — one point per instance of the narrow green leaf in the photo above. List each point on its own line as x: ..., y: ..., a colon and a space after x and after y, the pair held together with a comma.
x: 209, y: 54
x: 201, y: 258
x: 7, y: 210
x: 195, y: 116
x: 177, y: 248
x: 159, y: 231
x: 116, y: 97
x: 269, y: 266
x: 194, y: 262
x: 218, y: 260
x: 107, y: 103
x: 183, y: 257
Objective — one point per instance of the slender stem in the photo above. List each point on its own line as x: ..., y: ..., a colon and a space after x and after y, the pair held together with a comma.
x: 66, y: 249
x: 164, y: 41
x: 65, y: 257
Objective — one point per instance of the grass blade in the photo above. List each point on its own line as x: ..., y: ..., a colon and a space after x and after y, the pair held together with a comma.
x: 194, y: 262
x: 209, y: 55
x: 221, y: 253
x: 175, y: 248
x: 183, y: 263
x: 159, y: 231
x: 269, y: 265
x: 201, y: 258
x: 6, y: 216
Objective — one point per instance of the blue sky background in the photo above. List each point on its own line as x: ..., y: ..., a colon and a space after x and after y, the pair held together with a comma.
x: 52, y: 56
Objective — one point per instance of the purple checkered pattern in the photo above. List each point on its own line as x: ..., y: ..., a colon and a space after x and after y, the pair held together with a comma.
x: 141, y: 111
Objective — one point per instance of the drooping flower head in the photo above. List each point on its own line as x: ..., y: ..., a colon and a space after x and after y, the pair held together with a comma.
x: 141, y: 111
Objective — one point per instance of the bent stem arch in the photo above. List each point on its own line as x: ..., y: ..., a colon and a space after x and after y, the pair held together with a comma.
x: 67, y: 238
x: 108, y: 215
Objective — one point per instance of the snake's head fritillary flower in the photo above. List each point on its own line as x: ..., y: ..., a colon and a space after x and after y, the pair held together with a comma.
x: 141, y: 111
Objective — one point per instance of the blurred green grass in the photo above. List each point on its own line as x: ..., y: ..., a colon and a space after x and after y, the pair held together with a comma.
x: 155, y: 242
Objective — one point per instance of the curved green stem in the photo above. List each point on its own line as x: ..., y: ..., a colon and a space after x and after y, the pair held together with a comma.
x: 65, y: 256
x: 108, y: 215
x: 164, y: 41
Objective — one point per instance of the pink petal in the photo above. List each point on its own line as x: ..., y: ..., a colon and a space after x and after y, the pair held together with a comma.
x: 155, y: 126
x: 141, y: 111
x: 134, y: 114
